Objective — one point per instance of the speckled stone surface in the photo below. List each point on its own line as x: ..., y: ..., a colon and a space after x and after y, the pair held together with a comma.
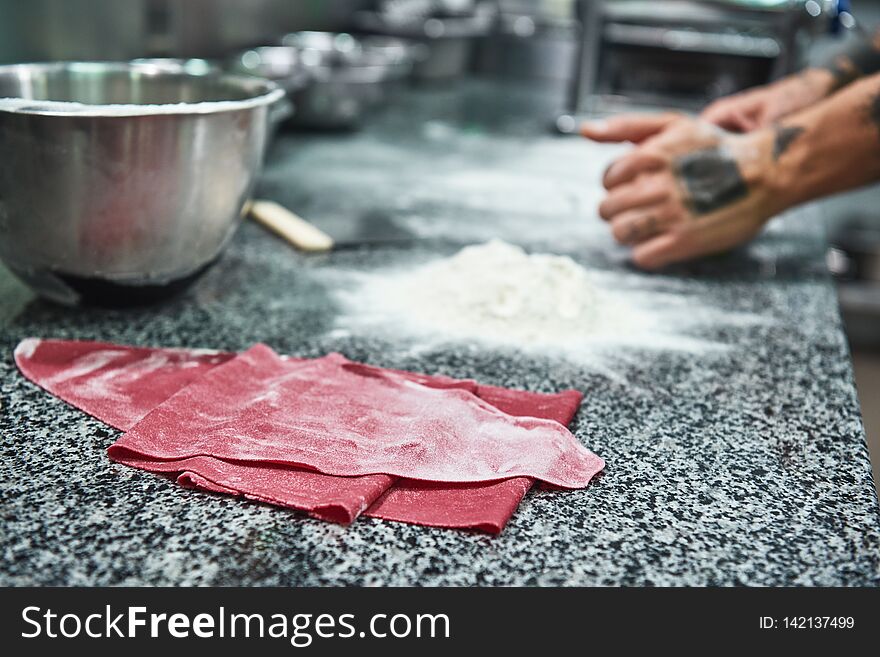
x: 743, y: 464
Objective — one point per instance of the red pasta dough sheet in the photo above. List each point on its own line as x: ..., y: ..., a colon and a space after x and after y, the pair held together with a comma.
x: 117, y: 384
x: 337, y: 499
x: 486, y: 507
x: 349, y: 419
x: 67, y: 367
x: 121, y: 385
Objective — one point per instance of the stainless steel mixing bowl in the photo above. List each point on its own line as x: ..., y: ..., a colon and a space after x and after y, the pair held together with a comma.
x: 331, y: 87
x: 348, y: 80
x: 119, y: 182
x: 449, y: 38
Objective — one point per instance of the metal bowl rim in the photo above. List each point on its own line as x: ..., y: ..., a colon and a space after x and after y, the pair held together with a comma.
x: 268, y: 93
x: 363, y: 72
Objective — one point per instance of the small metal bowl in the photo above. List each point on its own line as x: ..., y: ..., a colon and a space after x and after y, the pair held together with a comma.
x: 330, y: 79
x: 123, y: 182
x: 400, y: 55
x: 176, y: 65
x: 449, y: 41
x: 394, y: 58
x: 281, y: 64
x: 326, y: 48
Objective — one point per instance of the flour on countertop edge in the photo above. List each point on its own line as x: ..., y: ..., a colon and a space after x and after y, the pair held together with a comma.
x: 496, y: 294
x: 27, y: 347
x: 105, y: 384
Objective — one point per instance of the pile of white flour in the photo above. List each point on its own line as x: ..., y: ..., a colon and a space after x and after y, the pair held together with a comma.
x: 497, y: 293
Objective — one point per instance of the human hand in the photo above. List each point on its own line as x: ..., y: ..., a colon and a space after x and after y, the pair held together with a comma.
x: 688, y: 188
x: 763, y: 106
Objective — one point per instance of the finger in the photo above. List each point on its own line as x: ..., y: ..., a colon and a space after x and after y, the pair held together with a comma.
x: 725, y: 115
x: 636, y: 226
x: 766, y: 117
x: 630, y: 166
x: 645, y: 191
x: 744, y: 121
x: 717, y: 111
x: 711, y: 235
x: 737, y: 113
x: 632, y: 127
x: 732, y: 122
x: 662, y: 250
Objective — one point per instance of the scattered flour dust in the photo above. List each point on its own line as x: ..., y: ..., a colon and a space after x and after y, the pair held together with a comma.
x: 497, y: 293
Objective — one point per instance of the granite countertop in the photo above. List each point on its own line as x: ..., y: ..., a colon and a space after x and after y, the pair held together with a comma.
x: 736, y: 452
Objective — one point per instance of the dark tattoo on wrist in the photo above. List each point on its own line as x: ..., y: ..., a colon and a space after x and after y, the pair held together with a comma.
x: 785, y: 137
x: 874, y: 110
x: 712, y: 179
x: 861, y: 57
x: 843, y: 71
x: 865, y: 54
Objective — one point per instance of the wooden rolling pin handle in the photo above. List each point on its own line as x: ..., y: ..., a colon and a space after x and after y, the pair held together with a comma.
x: 291, y: 227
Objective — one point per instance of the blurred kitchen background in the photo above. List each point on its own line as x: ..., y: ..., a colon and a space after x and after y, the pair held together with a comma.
x: 597, y: 56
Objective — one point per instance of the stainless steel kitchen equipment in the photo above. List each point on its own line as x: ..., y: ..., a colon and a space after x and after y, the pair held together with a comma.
x: 122, y: 183
x: 281, y: 65
x: 344, y: 72
x: 54, y: 30
x: 530, y: 43
x: 855, y: 250
x: 854, y: 260
x: 399, y: 55
x: 178, y: 65
x: 450, y: 38
x: 215, y: 28
x: 278, y: 112
x: 330, y: 78
x: 685, y: 52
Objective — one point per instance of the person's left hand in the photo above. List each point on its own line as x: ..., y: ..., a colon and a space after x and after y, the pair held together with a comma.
x: 763, y: 106
x: 687, y: 189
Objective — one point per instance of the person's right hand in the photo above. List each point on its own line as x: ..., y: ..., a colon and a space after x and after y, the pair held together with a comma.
x: 764, y: 106
x: 687, y: 188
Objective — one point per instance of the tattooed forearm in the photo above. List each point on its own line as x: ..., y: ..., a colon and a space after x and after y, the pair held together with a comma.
x: 859, y: 58
x: 874, y: 109
x: 712, y: 179
x: 785, y: 137
x: 844, y: 71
